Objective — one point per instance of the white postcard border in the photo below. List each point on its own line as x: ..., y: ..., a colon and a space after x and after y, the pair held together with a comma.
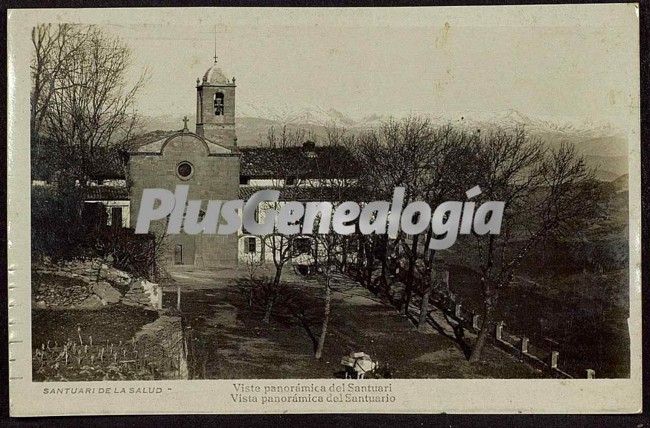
x: 29, y: 398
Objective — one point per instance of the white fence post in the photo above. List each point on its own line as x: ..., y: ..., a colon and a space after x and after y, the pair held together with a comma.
x: 524, y: 345
x: 499, y: 330
x: 457, y: 311
x: 178, y: 297
x: 475, y: 323
x: 554, y: 357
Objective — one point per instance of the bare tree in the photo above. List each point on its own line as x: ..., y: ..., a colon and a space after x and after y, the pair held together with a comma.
x: 81, y: 101
x: 327, y: 260
x: 397, y: 155
x: 285, y: 167
x: 545, y: 192
x: 285, y: 138
x: 282, y: 251
x: 54, y: 48
x: 335, y: 180
x: 431, y: 164
x: 253, y: 264
x: 450, y: 173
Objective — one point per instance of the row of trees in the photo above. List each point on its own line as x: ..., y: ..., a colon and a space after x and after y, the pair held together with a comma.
x: 546, y: 191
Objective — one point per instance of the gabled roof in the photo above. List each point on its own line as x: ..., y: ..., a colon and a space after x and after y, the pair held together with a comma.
x: 300, y: 162
x: 156, y: 147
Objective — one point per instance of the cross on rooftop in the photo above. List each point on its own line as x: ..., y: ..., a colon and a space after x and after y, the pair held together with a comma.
x: 185, y: 120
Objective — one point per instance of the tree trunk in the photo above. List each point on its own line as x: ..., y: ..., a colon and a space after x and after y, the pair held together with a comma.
x: 276, y: 278
x: 344, y: 256
x: 272, y: 297
x: 428, y: 253
x: 370, y: 263
x: 360, y: 253
x: 326, y: 318
x: 384, y: 266
x: 424, y: 306
x: 486, y: 326
x: 406, y: 301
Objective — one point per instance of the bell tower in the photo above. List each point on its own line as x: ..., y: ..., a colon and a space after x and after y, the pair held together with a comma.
x: 215, y: 107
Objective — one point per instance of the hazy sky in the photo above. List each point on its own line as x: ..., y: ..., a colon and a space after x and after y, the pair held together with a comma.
x: 566, y: 63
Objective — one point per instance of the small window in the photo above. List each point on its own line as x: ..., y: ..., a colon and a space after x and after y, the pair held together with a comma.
x: 251, y: 245
x: 184, y: 170
x: 218, y: 104
x: 178, y: 254
x: 116, y: 216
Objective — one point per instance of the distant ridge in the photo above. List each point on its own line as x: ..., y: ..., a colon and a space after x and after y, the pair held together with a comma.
x: 604, y: 147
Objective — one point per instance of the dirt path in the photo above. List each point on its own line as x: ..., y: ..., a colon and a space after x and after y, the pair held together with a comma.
x: 235, y: 343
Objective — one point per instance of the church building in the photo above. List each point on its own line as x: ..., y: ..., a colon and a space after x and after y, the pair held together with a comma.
x: 207, y: 160
x: 211, y: 163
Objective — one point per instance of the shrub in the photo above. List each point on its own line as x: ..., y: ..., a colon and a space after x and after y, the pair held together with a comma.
x: 131, y: 252
x: 64, y: 228
x: 57, y: 230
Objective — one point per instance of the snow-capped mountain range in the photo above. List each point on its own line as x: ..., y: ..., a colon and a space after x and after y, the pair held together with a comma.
x: 319, y: 116
x: 604, y: 146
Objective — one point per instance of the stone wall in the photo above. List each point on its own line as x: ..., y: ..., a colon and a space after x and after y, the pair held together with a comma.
x: 87, y: 284
x: 91, y: 284
x: 145, y: 294
x: 164, y: 343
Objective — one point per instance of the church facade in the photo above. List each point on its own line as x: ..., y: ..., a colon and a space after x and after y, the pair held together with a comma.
x: 211, y: 163
x: 206, y: 160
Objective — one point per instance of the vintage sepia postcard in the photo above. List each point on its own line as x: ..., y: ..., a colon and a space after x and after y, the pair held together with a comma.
x: 395, y: 210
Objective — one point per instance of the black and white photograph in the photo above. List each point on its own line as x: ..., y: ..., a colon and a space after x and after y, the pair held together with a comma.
x: 352, y: 197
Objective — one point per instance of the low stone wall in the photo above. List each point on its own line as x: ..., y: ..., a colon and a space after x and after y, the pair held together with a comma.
x: 72, y: 291
x: 519, y: 346
x: 162, y: 345
x: 91, y: 269
x: 94, y: 285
